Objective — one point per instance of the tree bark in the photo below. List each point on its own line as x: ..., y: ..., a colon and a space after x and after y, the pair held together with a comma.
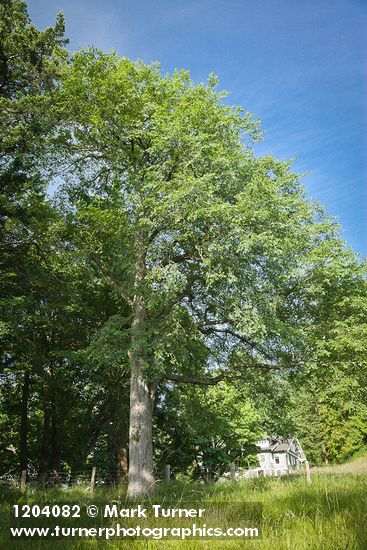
x: 23, y: 431
x: 45, y: 442
x: 141, y: 476
x: 56, y: 435
x: 121, y: 439
x: 325, y: 453
x: 52, y: 426
x: 121, y: 464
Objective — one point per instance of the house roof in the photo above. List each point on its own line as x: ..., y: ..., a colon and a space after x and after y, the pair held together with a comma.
x: 277, y: 448
x: 277, y: 444
x: 281, y: 444
x: 280, y: 447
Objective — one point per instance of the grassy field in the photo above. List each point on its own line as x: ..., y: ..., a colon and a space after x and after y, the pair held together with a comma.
x: 329, y: 514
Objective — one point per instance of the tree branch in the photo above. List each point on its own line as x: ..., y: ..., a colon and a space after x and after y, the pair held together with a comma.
x: 208, y: 327
x: 97, y: 260
x: 212, y: 381
x: 193, y: 380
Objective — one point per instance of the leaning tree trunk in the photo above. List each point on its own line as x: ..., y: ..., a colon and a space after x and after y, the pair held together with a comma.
x: 140, y: 477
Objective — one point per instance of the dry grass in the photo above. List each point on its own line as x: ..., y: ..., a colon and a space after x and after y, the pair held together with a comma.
x: 354, y: 467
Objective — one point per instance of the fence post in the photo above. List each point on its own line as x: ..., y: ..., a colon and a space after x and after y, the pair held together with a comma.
x: 232, y: 467
x: 23, y: 481
x: 92, y: 479
x: 167, y: 473
x: 308, y: 473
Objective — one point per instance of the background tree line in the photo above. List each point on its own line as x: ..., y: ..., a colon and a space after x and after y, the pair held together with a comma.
x: 148, y: 257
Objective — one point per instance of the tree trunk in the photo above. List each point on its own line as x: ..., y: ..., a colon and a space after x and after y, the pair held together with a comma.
x: 52, y: 426
x: 56, y: 435
x: 121, y: 464
x: 325, y: 453
x: 140, y: 477
x: 23, y: 431
x: 46, y: 429
x: 121, y: 436
x: 45, y: 443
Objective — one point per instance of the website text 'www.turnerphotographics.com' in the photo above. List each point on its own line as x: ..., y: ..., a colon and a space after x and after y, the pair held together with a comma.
x: 213, y: 521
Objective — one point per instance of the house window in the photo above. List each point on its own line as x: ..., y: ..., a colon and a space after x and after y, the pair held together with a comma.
x: 276, y: 459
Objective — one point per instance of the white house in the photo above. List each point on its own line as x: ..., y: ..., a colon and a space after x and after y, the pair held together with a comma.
x: 279, y: 455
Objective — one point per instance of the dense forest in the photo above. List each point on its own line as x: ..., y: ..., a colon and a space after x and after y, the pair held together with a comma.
x: 165, y: 294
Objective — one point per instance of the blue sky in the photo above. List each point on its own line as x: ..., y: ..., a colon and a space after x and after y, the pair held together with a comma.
x: 301, y: 66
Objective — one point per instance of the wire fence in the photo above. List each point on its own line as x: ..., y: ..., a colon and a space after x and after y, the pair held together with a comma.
x: 87, y: 479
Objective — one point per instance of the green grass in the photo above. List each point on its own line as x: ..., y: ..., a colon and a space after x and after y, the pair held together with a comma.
x: 329, y: 514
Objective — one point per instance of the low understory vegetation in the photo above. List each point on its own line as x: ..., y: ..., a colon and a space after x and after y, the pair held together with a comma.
x: 329, y: 514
